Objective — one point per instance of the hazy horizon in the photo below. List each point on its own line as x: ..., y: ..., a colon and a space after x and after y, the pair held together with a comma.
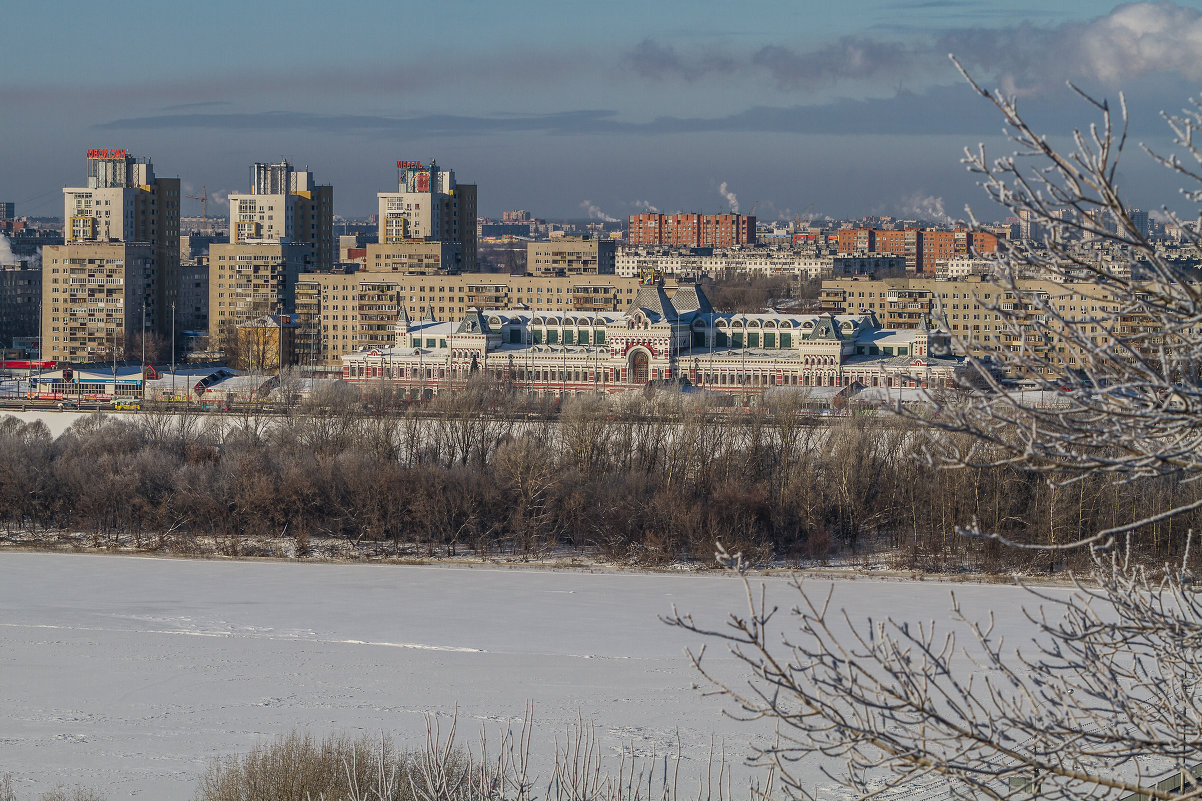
x: 602, y: 111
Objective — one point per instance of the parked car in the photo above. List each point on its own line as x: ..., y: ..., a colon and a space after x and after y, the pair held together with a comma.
x: 68, y: 404
x: 127, y: 403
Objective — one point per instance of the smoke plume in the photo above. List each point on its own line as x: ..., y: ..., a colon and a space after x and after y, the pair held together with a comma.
x: 925, y: 207
x: 6, y: 251
x: 595, y: 212
x: 646, y: 206
x: 731, y: 198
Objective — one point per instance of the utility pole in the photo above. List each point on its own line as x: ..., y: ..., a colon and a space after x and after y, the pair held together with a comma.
x: 173, y: 353
x: 143, y: 349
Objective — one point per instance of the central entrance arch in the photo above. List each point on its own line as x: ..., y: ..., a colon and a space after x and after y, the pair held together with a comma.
x: 639, y: 361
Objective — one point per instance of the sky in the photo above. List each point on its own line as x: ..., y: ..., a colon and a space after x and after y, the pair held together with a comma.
x: 568, y: 109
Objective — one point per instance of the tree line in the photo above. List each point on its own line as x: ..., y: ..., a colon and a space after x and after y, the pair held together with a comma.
x: 652, y: 479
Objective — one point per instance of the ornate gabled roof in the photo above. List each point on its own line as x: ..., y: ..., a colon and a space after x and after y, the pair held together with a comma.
x: 654, y: 301
x: 691, y: 298
x: 473, y: 323
x: 402, y: 319
x: 825, y: 327
x: 430, y: 318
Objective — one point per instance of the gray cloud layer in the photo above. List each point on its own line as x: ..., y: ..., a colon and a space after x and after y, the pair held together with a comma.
x: 901, y: 115
x: 1131, y: 41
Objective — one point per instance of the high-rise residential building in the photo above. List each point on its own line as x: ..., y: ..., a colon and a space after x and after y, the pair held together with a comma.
x: 429, y: 206
x: 690, y: 230
x: 20, y: 302
x: 923, y: 249
x: 571, y: 255
x: 124, y: 202
x: 94, y: 295
x: 248, y: 280
x: 286, y: 206
x: 8, y: 211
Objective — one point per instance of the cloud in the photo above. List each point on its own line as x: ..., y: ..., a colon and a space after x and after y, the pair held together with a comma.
x: 900, y: 115
x: 385, y: 80
x: 940, y: 110
x: 205, y: 104
x: 849, y: 58
x: 653, y: 60
x: 1132, y: 41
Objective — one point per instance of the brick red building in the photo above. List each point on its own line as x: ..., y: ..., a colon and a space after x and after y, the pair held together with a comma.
x: 690, y: 230
x: 922, y: 248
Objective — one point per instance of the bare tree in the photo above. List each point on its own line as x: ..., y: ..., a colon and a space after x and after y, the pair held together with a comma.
x: 1112, y: 351
x: 1103, y: 702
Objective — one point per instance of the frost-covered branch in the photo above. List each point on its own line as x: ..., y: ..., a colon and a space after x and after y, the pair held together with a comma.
x: 1108, y: 352
x: 1102, y: 703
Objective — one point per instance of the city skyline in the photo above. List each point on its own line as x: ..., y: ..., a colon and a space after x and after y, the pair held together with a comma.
x: 605, y: 111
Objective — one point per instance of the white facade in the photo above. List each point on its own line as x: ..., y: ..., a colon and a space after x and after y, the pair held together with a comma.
x: 680, y: 341
x: 633, y: 262
x: 961, y: 267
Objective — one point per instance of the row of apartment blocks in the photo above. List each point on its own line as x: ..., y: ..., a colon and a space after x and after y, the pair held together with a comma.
x: 760, y: 262
x: 343, y: 312
x: 923, y: 248
x: 970, y: 309
x: 690, y: 230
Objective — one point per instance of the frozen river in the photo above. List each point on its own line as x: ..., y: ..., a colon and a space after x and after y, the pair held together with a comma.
x: 128, y: 674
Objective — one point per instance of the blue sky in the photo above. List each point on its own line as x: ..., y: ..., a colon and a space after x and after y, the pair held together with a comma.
x: 841, y: 108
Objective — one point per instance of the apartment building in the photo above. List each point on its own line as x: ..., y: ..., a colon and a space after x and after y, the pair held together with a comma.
x: 571, y: 255
x: 250, y: 280
x: 690, y: 230
x: 20, y: 303
x: 342, y: 312
x: 430, y: 206
x: 760, y: 262
x: 93, y: 298
x: 285, y: 205
x: 959, y: 307
x: 922, y: 248
x: 413, y: 257
x: 124, y: 201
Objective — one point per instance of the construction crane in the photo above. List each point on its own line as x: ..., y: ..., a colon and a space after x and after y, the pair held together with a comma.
x: 203, y: 197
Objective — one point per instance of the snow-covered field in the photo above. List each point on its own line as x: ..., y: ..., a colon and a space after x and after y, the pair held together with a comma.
x: 128, y: 674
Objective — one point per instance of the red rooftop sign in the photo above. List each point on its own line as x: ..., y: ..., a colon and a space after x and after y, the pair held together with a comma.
x: 406, y: 165
x: 103, y: 153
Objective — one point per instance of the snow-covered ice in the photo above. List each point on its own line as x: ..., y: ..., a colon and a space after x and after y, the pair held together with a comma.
x: 129, y: 674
